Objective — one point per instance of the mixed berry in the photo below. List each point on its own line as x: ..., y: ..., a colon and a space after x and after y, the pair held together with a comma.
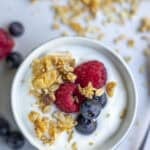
x: 7, y: 43
x: 16, y: 29
x: 14, y: 139
x: 69, y: 99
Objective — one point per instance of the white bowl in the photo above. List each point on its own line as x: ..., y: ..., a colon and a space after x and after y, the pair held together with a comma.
x: 79, y: 46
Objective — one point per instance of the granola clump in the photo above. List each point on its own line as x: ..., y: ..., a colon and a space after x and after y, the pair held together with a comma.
x: 47, y: 130
x: 110, y: 88
x: 48, y: 73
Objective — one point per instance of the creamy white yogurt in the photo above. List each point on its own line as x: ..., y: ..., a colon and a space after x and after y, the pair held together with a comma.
x: 107, y: 126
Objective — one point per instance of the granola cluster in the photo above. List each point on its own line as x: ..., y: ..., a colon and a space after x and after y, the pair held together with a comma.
x: 47, y: 130
x: 48, y: 73
x: 89, y: 91
x: 145, y: 25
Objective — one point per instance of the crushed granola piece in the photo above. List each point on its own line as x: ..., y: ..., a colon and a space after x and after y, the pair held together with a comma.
x: 91, y: 143
x: 131, y: 43
x: 71, y: 77
x: 146, y: 52
x: 65, y: 33
x: 99, y: 92
x: 127, y: 59
x: 110, y: 88
x: 74, y: 146
x: 123, y: 113
x: 48, y: 99
x: 145, y: 25
x: 142, y: 69
x: 119, y: 38
x: 77, y: 27
x: 87, y: 91
x: 56, y: 26
x: 45, y: 80
x: 33, y: 1
x: 33, y: 116
x: 70, y: 137
x: 107, y: 115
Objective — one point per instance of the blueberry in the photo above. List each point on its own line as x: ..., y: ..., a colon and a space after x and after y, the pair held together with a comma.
x: 90, y: 109
x: 15, y: 140
x: 101, y: 99
x: 4, y: 127
x: 16, y: 29
x: 85, y: 126
x: 14, y: 60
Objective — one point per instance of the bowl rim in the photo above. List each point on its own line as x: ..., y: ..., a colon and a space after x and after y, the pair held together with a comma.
x: 83, y: 39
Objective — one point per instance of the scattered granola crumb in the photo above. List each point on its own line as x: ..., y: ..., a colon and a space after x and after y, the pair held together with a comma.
x: 74, y: 146
x: 65, y: 33
x: 146, y: 52
x: 99, y: 92
x: 100, y: 36
x: 131, y: 43
x: 33, y: 116
x: 110, y: 88
x: 127, y: 59
x: 33, y: 1
x: 89, y: 91
x: 91, y: 143
x: 142, y: 69
x: 77, y: 27
x: 107, y: 115
x: 56, y: 26
x: 119, y: 38
x: 123, y: 113
x: 145, y: 25
x: 70, y: 137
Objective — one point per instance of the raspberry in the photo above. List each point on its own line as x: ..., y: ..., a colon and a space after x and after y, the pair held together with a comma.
x: 91, y: 71
x: 6, y: 44
x: 65, y: 99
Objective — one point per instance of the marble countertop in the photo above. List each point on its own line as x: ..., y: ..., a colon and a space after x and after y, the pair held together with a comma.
x: 37, y: 20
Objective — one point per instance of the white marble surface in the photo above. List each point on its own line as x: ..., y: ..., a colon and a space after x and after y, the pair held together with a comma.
x: 37, y: 20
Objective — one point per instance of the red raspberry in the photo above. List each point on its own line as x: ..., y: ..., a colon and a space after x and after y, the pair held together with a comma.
x: 91, y: 71
x: 65, y: 99
x: 6, y: 44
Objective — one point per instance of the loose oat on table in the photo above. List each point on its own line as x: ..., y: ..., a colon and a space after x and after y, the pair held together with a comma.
x: 127, y: 59
x: 131, y: 43
x: 87, y: 10
x: 110, y: 88
x: 145, y: 25
x: 119, y: 38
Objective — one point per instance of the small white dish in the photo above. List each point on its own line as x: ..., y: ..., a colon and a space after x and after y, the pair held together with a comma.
x: 88, y: 49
